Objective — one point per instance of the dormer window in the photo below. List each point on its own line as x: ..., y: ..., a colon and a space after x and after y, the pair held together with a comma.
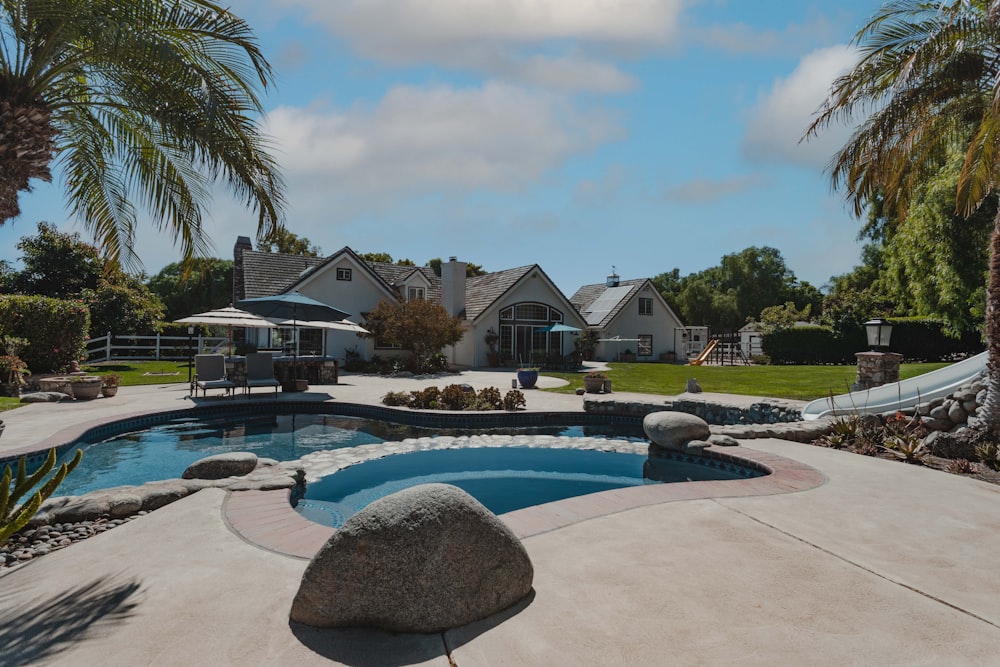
x: 343, y: 274
x: 414, y: 293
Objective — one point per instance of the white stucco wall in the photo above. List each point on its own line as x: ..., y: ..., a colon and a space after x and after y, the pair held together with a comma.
x: 629, y: 324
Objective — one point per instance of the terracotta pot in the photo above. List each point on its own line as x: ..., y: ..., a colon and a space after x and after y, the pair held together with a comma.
x: 86, y: 389
x: 594, y: 385
x: 108, y: 392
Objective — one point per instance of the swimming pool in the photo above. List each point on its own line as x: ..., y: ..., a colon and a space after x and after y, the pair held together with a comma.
x: 505, y: 479
x: 164, y: 450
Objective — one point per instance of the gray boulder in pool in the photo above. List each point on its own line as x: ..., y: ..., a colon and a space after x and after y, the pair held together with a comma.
x: 674, y: 430
x: 423, y: 559
x: 220, y: 466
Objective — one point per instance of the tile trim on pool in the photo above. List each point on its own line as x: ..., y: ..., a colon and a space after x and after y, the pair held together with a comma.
x: 266, y: 518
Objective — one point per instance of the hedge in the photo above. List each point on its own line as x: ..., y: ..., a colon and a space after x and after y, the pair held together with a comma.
x: 56, y: 329
x: 917, y: 339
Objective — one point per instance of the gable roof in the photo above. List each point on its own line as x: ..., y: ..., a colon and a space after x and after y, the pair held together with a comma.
x: 482, y: 291
x: 267, y: 273
x: 616, y: 298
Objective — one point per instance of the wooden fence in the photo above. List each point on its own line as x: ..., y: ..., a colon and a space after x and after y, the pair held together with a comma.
x: 148, y: 348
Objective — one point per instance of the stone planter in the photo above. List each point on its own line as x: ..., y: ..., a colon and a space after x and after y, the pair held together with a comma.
x: 86, y: 389
x: 527, y: 378
x: 595, y: 385
x: 58, y: 383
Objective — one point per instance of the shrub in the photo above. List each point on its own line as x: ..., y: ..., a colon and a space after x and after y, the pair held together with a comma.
x: 489, y: 398
x: 425, y: 399
x: 513, y: 400
x: 397, y: 399
x: 55, y: 328
x: 111, y: 380
x: 455, y: 397
x: 961, y: 467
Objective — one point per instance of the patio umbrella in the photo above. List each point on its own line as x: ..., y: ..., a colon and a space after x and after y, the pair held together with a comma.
x: 228, y: 317
x: 558, y: 327
x: 293, y: 306
x: 342, y: 325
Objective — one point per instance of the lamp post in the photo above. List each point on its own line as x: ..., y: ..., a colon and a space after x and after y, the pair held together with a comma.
x: 877, y: 366
x: 190, y: 334
x: 879, y: 331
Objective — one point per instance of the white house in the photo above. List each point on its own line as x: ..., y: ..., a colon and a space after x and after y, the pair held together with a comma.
x: 515, y: 303
x: 631, y: 316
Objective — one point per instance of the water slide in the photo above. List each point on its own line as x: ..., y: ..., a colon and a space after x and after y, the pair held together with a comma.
x: 898, y: 395
x: 700, y: 359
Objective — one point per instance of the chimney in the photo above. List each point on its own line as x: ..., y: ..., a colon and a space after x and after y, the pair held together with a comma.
x: 239, y: 288
x: 453, y: 286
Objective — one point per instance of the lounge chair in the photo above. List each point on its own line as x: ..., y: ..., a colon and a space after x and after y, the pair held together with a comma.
x: 260, y: 372
x: 210, y: 373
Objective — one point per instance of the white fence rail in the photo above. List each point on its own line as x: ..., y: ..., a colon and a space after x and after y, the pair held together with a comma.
x: 147, y: 348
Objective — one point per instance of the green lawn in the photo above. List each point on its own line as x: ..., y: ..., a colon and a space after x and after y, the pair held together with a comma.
x: 142, y: 372
x: 796, y: 382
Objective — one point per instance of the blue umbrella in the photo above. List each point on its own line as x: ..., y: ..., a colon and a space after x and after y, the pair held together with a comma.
x: 558, y: 327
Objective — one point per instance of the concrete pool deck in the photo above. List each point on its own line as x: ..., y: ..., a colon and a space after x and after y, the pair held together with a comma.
x: 884, y: 563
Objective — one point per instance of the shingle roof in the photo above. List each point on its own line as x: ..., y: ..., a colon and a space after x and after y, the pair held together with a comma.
x: 587, y: 295
x: 481, y: 291
x: 267, y: 273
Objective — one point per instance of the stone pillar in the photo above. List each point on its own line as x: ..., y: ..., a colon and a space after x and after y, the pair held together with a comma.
x: 876, y: 369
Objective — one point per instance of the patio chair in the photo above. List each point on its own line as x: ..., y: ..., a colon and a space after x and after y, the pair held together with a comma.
x: 260, y: 372
x: 210, y: 373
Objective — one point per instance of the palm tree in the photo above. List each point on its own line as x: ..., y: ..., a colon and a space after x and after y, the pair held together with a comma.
x: 144, y: 104
x: 927, y: 80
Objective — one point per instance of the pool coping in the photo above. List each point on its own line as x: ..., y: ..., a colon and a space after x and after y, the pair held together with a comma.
x: 266, y: 519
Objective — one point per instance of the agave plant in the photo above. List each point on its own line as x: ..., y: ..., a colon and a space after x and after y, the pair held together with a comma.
x: 906, y: 448
x: 14, y: 517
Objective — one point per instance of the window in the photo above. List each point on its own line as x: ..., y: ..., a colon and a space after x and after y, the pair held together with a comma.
x: 531, y: 311
x: 645, y: 345
x: 343, y: 274
x: 645, y: 306
x: 414, y: 293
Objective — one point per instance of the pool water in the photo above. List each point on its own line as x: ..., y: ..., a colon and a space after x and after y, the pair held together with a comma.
x: 501, y: 478
x: 166, y: 450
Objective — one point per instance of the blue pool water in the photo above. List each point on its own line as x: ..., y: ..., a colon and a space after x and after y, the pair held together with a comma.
x: 164, y: 451
x: 501, y: 478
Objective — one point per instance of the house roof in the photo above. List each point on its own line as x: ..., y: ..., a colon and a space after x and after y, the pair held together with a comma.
x: 268, y: 273
x: 599, y: 304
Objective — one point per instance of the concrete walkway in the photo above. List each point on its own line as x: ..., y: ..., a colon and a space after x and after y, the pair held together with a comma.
x: 884, y: 564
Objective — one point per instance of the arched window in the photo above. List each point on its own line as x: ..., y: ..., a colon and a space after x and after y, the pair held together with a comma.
x: 521, y: 338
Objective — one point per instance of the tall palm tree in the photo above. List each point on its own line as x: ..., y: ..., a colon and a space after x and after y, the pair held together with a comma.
x: 144, y: 104
x: 928, y: 80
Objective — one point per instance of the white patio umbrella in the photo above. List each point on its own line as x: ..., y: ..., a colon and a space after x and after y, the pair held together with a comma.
x: 339, y: 325
x: 228, y: 317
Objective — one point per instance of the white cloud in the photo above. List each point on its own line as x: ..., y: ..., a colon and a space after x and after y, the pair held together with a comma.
x: 743, y: 38
x: 558, y: 43
x: 780, y: 118
x: 702, y: 190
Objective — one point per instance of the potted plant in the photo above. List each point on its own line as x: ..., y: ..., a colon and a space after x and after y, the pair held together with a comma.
x: 85, y: 387
x: 492, y: 356
x: 527, y: 376
x: 12, y: 367
x: 594, y: 382
x: 110, y: 384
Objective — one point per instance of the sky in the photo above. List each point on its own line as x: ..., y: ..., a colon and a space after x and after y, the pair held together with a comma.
x: 582, y: 135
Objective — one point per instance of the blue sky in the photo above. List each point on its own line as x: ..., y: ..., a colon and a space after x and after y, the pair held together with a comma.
x: 578, y: 134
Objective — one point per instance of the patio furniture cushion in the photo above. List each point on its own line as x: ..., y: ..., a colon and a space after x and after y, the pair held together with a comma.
x: 260, y: 371
x: 210, y: 373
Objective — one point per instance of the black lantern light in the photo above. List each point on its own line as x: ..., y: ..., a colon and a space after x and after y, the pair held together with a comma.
x: 879, y: 331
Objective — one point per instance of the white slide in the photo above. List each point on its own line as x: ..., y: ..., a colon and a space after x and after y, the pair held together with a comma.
x: 898, y: 395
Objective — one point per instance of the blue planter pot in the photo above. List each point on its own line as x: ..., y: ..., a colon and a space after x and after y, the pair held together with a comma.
x: 527, y: 379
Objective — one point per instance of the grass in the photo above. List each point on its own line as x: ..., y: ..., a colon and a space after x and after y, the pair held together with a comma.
x: 794, y: 382
x: 142, y: 372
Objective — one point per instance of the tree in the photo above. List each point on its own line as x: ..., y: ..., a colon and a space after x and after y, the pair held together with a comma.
x: 283, y: 241
x: 122, y: 306
x: 925, y: 84
x: 147, y: 101
x: 385, y: 258
x: 56, y: 264
x: 471, y: 269
x: 208, y: 285
x: 422, y: 327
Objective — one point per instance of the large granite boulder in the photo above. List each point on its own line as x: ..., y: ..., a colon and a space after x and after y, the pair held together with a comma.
x: 220, y: 466
x: 423, y: 559
x: 674, y: 430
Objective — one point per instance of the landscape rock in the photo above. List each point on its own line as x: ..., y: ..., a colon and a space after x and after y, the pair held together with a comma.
x: 958, y: 445
x: 673, y: 430
x: 220, y: 466
x: 693, y: 387
x: 424, y: 559
x: 44, y: 397
x: 720, y: 440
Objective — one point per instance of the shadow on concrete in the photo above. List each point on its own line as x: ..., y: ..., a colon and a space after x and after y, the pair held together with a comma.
x: 37, y: 630
x: 463, y: 635
x: 367, y: 647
